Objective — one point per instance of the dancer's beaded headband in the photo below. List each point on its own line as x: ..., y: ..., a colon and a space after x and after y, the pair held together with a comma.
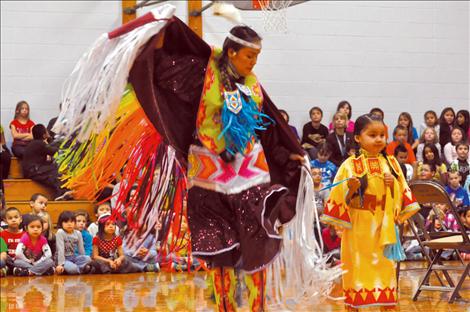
x: 244, y: 42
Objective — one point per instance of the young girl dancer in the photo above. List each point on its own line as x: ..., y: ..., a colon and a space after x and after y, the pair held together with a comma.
x: 33, y: 254
x: 374, y: 199
x: 67, y: 241
x: 107, y: 249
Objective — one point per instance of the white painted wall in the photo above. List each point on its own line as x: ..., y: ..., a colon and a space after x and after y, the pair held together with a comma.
x: 40, y: 43
x: 400, y: 56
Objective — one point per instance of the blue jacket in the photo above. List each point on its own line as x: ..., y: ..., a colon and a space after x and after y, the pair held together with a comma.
x: 87, y: 242
x: 460, y: 195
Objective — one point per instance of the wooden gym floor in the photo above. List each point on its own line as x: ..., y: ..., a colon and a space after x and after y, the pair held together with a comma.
x: 174, y: 292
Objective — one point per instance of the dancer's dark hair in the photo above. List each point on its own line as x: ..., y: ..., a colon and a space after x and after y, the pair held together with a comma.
x: 244, y: 33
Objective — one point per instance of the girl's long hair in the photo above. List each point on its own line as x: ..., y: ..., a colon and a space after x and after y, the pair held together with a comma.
x: 18, y: 108
x: 466, y: 123
x: 437, y: 160
x: 409, y: 129
x: 444, y: 127
x: 345, y: 103
x: 435, y: 116
x: 101, y: 225
x: 49, y: 234
x: 442, y: 120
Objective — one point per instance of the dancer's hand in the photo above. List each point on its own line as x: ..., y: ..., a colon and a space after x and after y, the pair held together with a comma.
x: 353, y: 185
x: 297, y: 157
x: 388, y: 178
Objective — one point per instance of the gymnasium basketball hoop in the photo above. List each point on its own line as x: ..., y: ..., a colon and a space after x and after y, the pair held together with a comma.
x: 274, y: 14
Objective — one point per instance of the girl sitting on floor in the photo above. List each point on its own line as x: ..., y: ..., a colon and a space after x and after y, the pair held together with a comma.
x: 107, y: 249
x: 33, y: 254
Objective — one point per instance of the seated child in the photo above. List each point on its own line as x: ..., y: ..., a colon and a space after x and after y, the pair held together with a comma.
x: 82, y: 221
x: 380, y: 114
x: 314, y: 133
x: 21, y: 129
x: 400, y: 136
x: 401, y: 154
x: 12, y: 234
x: 461, y: 164
x: 48, y: 232
x: 100, y: 210
x: 431, y: 156
x: 328, y: 169
x: 320, y: 196
x: 450, y: 222
x: 67, y: 241
x: 38, y: 203
x: 107, y: 249
x: 427, y: 173
x: 142, y: 251
x: 457, y: 194
x: 464, y: 214
x: 332, y: 241
x: 47, y: 227
x: 38, y: 165
x: 435, y: 222
x: 33, y: 254
x: 179, y: 256
x: 3, y: 258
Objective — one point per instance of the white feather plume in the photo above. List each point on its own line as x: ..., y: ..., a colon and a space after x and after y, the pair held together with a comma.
x: 227, y: 10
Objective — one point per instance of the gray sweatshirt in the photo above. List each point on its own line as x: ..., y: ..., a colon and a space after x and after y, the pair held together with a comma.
x: 66, y: 244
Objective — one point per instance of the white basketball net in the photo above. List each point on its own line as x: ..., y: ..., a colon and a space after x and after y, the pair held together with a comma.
x: 274, y: 15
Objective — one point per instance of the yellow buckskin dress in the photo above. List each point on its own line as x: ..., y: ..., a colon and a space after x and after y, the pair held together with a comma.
x: 368, y: 226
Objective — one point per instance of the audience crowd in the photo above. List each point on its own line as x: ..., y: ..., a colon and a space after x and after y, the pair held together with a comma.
x: 30, y: 245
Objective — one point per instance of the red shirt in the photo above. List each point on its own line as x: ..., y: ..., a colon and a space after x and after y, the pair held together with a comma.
x: 330, y: 242
x: 107, y: 248
x: 21, y: 128
x: 393, y: 145
x: 12, y: 240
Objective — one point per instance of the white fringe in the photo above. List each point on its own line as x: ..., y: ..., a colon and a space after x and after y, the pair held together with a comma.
x: 160, y: 188
x: 307, y: 276
x: 94, y: 89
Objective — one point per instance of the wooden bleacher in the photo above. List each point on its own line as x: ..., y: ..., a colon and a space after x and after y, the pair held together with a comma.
x: 18, y: 191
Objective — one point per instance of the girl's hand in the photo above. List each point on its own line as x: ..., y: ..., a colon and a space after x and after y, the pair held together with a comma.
x: 112, y: 264
x: 118, y: 262
x: 353, y: 184
x: 388, y: 178
x: 59, y: 269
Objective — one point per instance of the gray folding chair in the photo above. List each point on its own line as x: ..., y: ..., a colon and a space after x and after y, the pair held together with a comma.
x: 427, y: 191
